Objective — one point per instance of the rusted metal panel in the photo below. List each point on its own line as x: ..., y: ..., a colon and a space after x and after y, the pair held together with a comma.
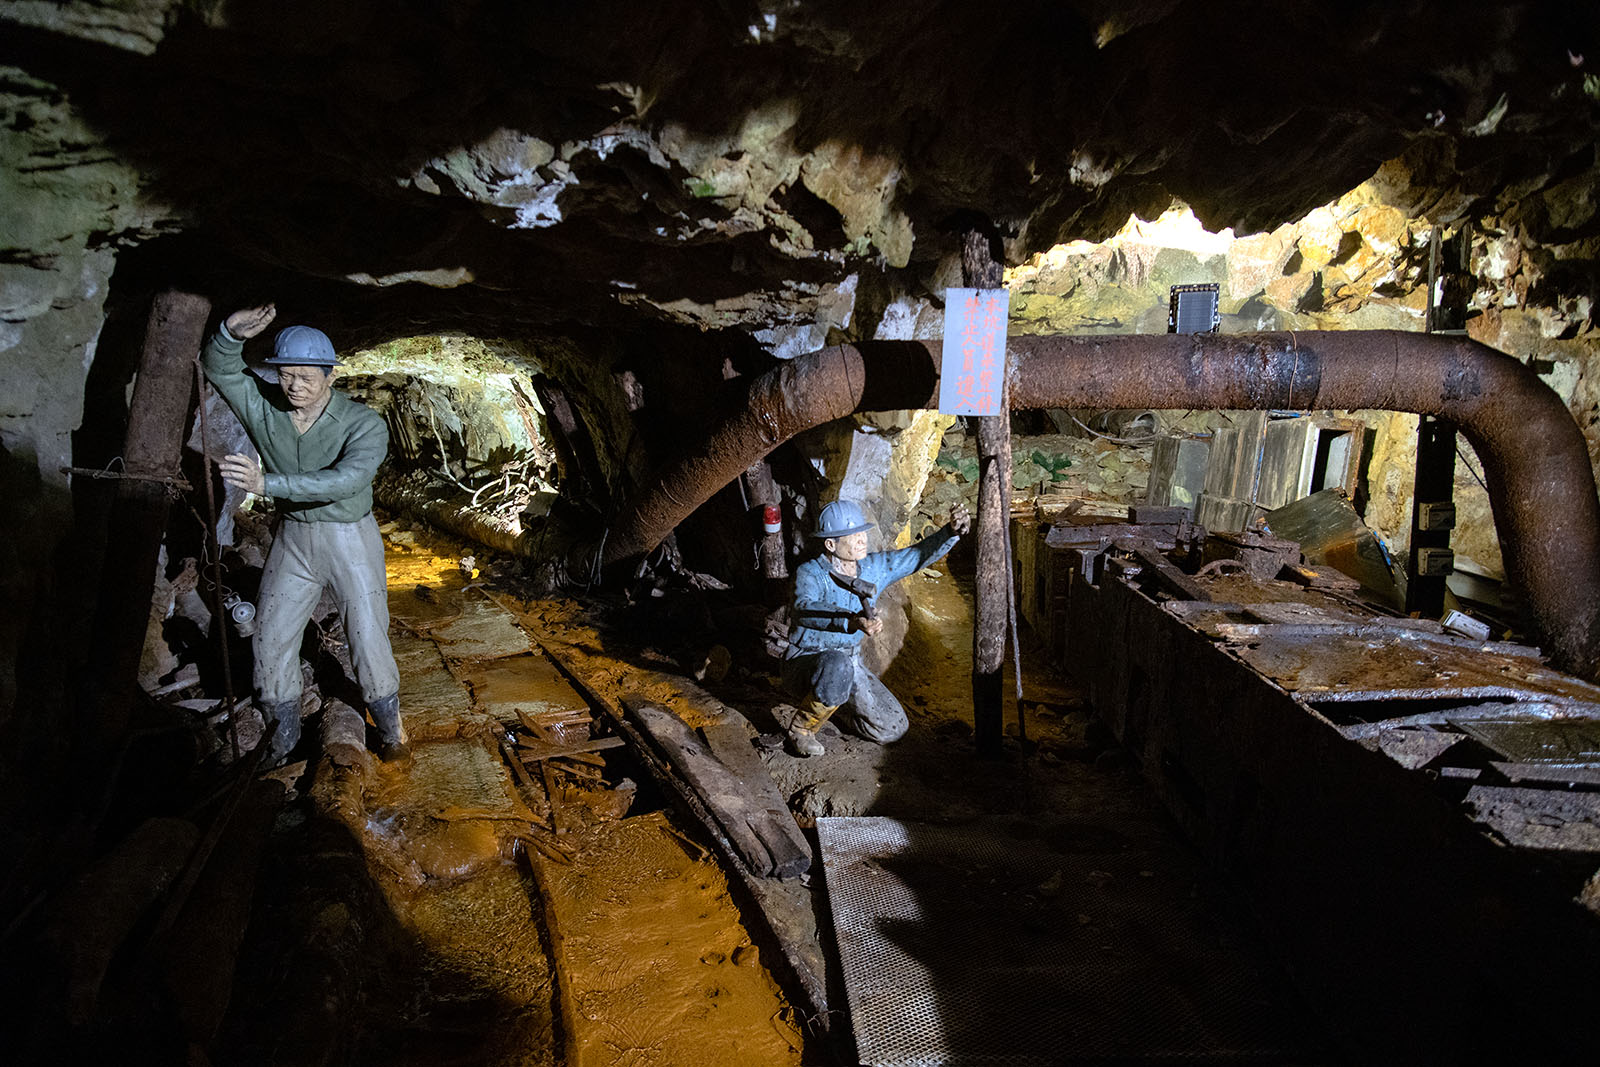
x: 1566, y: 740
x: 1326, y: 662
x: 1414, y: 746
x: 1568, y: 774
x: 1261, y: 555
x: 1100, y: 534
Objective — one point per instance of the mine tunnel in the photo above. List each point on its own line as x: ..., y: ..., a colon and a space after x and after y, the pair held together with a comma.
x: 906, y: 533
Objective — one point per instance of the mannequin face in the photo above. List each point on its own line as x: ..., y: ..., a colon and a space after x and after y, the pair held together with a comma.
x: 849, y: 548
x: 306, y: 388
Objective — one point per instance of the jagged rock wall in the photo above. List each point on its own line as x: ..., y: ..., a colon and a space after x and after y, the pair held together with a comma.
x: 733, y: 165
x: 66, y: 202
x: 779, y: 171
x: 1359, y: 262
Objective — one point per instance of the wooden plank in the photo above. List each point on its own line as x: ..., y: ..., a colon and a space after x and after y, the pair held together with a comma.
x: 537, y: 728
x: 991, y: 585
x: 766, y: 845
x: 542, y: 750
x: 1287, y: 451
x: 731, y: 742
x: 521, y: 774
x: 549, y: 846
x: 558, y: 811
x: 138, y: 520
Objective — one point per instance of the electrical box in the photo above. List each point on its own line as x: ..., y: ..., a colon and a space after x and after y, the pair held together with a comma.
x: 1465, y: 625
x: 1435, y: 562
x: 1436, y: 516
x: 1194, y: 308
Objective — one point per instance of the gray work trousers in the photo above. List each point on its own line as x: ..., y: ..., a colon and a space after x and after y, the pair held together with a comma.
x: 836, y: 677
x: 306, y: 557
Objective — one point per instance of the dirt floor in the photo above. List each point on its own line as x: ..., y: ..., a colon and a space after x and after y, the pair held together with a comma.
x: 561, y: 911
x: 476, y: 923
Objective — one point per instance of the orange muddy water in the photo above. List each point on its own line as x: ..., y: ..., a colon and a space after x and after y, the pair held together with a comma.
x: 651, y: 961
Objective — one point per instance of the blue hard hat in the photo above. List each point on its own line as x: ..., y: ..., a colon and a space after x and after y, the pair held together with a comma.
x: 841, y: 519
x: 302, y: 346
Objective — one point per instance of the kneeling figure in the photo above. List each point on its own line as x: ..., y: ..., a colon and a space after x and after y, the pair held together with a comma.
x: 835, y: 600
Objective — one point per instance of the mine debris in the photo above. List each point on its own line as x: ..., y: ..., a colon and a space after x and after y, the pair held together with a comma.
x: 556, y: 765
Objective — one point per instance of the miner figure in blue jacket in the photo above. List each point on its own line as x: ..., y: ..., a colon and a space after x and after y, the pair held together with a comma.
x: 835, y: 600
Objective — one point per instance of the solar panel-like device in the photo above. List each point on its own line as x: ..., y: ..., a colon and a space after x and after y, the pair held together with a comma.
x: 1194, y: 309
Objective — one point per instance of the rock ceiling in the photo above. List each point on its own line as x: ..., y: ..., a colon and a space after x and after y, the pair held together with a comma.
x: 487, y: 165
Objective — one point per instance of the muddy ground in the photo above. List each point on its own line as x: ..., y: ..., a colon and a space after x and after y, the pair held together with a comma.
x: 445, y: 911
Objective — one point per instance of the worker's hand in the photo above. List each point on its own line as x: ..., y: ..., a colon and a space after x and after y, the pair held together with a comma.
x: 869, y: 626
x: 247, y: 322
x: 960, y: 521
x: 242, y: 472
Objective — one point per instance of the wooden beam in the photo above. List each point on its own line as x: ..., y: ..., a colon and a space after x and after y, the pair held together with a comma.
x: 767, y: 841
x: 799, y: 964
x: 979, y: 270
x: 534, y: 751
x: 157, y: 418
x: 764, y: 493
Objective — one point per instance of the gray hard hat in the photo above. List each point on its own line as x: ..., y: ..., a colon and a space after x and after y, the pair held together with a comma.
x: 302, y: 346
x: 841, y: 519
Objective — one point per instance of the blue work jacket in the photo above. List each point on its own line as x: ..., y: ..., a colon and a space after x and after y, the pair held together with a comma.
x: 823, y: 608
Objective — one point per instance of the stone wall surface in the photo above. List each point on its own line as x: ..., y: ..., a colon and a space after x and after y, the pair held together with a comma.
x: 728, y: 166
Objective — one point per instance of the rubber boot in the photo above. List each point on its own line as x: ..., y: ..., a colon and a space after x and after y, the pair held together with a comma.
x: 805, y: 724
x: 391, y: 733
x: 287, y: 715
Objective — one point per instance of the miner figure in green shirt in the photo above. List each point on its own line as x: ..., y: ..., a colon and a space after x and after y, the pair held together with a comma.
x: 319, y: 451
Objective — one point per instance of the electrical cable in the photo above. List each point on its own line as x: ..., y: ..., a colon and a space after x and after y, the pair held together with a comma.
x: 1143, y: 440
x: 1470, y: 468
x: 221, y: 617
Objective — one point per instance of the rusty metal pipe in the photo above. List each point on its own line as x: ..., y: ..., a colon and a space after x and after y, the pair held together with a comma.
x: 1536, y: 463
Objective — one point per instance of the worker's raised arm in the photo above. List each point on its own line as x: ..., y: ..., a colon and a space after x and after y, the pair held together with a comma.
x: 907, y: 561
x: 223, y: 361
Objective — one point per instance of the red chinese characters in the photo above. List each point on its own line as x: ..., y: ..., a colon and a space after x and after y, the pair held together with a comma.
x: 973, y: 357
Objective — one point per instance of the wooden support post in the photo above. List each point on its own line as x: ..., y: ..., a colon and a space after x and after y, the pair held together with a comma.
x: 764, y: 493
x: 979, y: 270
x: 156, y: 423
x: 743, y: 798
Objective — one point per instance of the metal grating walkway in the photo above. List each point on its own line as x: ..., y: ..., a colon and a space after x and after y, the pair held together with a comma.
x: 964, y: 945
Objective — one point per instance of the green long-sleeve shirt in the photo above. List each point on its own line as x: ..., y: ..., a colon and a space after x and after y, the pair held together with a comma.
x: 322, y: 475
